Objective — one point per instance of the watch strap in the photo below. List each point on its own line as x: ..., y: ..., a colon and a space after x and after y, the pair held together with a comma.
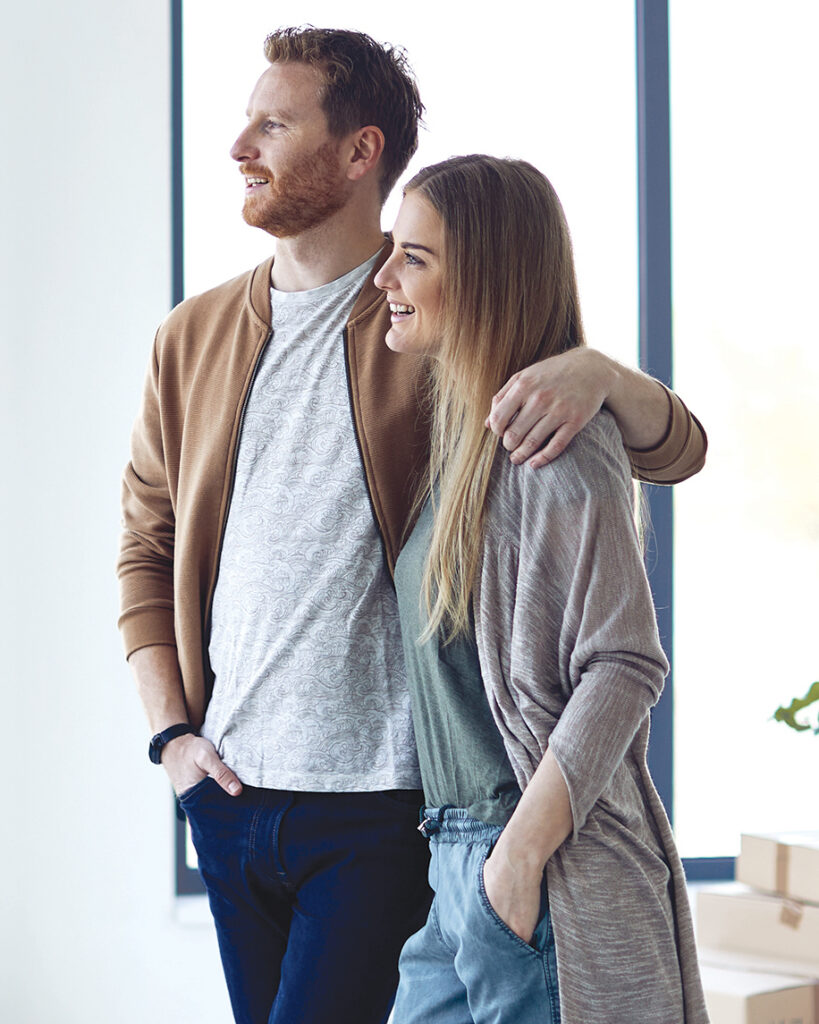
x: 161, y: 738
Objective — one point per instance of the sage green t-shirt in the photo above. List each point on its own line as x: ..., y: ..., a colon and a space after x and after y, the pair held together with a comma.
x: 462, y: 757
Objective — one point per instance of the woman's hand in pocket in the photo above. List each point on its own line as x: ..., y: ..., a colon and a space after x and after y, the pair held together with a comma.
x: 513, y: 874
x: 514, y: 893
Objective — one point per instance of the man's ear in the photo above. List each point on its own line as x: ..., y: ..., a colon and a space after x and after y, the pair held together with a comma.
x: 366, y: 147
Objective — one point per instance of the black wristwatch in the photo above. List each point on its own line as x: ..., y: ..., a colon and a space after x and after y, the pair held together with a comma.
x: 161, y: 738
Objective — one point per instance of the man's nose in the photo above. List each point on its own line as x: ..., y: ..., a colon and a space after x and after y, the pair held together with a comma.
x: 243, y: 148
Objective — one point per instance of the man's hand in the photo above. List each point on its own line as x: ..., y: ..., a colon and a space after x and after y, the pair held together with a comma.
x: 514, y: 895
x: 188, y: 759
x: 553, y: 399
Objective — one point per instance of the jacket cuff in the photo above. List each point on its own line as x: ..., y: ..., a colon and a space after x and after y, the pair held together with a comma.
x: 679, y: 454
x: 147, y: 627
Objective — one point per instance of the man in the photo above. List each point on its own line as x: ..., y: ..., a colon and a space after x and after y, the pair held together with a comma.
x: 272, y: 472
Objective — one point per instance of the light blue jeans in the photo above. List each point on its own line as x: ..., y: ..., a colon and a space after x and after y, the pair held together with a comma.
x: 466, y: 966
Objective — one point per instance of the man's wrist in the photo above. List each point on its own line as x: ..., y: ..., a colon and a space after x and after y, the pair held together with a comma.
x: 163, y: 738
x: 610, y: 378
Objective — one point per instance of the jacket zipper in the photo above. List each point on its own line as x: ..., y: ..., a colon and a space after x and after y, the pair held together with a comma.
x: 378, y: 528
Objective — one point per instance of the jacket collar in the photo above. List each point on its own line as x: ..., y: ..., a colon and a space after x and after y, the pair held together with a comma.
x: 259, y: 290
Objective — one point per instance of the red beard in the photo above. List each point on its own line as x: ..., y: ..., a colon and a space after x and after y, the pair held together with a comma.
x: 300, y: 197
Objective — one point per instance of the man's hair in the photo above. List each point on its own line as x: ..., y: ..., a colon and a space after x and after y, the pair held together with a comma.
x: 365, y: 83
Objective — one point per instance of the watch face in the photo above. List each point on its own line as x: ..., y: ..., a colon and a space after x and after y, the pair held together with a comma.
x: 155, y: 749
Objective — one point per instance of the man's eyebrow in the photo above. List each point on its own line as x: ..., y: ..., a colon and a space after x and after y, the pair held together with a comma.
x: 269, y: 115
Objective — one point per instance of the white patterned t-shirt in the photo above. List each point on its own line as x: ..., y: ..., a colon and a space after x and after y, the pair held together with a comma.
x: 310, y: 690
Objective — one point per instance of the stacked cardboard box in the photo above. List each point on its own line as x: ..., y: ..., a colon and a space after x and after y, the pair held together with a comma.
x: 738, y: 996
x: 759, y: 936
x: 783, y: 864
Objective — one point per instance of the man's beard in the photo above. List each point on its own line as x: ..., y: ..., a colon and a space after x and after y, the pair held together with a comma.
x: 300, y: 197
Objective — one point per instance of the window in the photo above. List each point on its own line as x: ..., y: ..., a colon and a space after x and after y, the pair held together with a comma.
x: 745, y: 222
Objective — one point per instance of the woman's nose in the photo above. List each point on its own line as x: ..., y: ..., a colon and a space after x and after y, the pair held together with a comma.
x: 385, y: 278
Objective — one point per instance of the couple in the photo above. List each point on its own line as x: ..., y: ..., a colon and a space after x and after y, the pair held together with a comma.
x: 281, y: 474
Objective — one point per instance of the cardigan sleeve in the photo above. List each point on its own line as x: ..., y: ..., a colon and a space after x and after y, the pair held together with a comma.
x: 567, y: 631
x: 145, y: 563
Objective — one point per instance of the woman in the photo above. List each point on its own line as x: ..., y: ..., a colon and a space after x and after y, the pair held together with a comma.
x: 531, y: 648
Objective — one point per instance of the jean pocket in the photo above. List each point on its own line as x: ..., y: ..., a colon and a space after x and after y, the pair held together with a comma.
x: 495, y: 918
x: 191, y: 794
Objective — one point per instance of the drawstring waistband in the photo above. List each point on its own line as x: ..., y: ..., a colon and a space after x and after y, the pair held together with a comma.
x: 454, y: 824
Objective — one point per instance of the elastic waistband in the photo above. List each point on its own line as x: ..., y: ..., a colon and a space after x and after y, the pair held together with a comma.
x: 455, y: 825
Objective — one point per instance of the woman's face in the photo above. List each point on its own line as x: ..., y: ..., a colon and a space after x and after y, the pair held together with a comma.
x: 412, y: 277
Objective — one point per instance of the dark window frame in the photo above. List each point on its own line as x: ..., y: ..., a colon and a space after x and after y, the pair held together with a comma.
x: 656, y: 348
x: 655, y: 356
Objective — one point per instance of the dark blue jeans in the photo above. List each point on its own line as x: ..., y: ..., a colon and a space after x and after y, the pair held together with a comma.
x: 313, y: 895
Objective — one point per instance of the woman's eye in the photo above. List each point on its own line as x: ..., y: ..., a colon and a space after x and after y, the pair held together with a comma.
x: 412, y: 261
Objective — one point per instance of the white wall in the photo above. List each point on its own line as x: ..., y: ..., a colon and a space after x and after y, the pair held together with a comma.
x: 87, y: 932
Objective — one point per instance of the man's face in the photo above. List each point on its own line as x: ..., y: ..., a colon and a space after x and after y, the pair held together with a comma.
x: 290, y: 162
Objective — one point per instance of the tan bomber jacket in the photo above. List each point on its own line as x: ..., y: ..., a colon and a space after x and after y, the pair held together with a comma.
x: 177, y: 486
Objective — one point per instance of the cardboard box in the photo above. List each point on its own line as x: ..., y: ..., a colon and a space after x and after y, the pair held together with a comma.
x: 753, y: 963
x: 740, y: 997
x: 785, y: 863
x: 731, y: 916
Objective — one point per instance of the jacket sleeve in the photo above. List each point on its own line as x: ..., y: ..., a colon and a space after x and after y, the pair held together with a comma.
x: 679, y: 454
x: 568, y: 632
x: 145, y: 563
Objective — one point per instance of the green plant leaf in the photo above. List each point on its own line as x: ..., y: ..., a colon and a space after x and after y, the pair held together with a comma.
x: 788, y: 714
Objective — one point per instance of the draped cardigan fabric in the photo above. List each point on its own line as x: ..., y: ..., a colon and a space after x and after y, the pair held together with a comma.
x: 571, y: 660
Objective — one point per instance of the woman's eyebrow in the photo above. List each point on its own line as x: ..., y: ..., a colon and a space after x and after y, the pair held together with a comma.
x: 417, y: 245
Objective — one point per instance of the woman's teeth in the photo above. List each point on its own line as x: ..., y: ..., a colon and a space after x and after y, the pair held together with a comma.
x: 397, y: 307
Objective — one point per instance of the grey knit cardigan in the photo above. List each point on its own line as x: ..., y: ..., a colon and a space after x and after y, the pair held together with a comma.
x: 571, y: 659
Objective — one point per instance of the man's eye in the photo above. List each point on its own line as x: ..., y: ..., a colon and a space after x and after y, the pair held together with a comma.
x: 271, y: 125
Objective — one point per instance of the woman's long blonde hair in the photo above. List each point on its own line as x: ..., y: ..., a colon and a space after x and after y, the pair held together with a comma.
x: 509, y: 299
